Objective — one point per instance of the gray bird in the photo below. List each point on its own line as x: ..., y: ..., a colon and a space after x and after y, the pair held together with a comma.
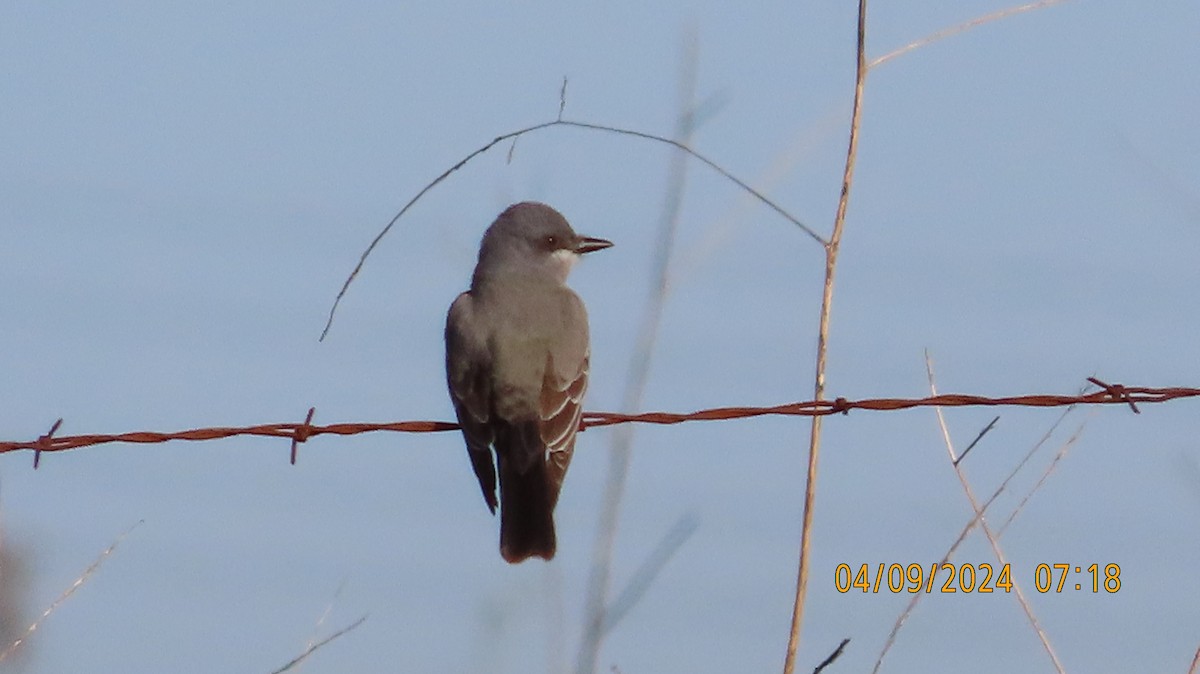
x: 517, y: 366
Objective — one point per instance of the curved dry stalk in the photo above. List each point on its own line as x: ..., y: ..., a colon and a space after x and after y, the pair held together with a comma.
x: 962, y: 28
x: 513, y: 135
x: 831, y: 252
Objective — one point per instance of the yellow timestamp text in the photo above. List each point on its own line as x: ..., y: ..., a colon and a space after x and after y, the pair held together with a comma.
x: 948, y: 578
x: 1067, y: 577
x: 914, y: 578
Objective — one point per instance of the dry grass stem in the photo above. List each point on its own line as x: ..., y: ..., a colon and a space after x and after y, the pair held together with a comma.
x: 596, y: 609
x: 312, y: 640
x: 831, y: 253
x: 78, y: 583
x: 313, y: 648
x: 993, y: 540
x: 720, y: 230
x: 1058, y: 457
x: 967, y: 529
x: 962, y: 28
x: 644, y: 576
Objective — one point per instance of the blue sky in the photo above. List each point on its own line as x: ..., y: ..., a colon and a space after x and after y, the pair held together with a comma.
x: 184, y: 189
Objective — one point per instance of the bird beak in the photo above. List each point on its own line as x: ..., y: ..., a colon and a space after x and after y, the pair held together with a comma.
x: 587, y: 244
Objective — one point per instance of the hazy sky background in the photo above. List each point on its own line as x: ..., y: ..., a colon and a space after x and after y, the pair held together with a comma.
x: 183, y: 190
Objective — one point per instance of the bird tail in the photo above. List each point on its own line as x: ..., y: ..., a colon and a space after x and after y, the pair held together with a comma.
x: 526, y: 501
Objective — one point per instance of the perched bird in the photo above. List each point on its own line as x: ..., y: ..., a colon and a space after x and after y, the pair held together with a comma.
x: 517, y: 367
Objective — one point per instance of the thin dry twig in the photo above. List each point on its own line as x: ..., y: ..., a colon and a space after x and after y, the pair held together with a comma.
x: 962, y: 28
x: 831, y: 252
x: 986, y: 429
x: 312, y: 649
x: 78, y: 583
x: 562, y: 99
x: 837, y: 653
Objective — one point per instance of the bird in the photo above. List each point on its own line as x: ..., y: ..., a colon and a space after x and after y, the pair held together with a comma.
x: 517, y: 361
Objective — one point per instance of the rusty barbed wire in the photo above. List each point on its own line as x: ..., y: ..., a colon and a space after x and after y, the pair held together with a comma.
x: 1109, y: 394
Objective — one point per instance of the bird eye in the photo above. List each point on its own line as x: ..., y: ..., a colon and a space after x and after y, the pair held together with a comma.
x: 551, y: 242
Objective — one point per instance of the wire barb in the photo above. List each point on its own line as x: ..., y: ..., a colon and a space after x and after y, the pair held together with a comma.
x: 1117, y: 393
x: 302, y: 432
x: 840, y: 406
x: 44, y: 442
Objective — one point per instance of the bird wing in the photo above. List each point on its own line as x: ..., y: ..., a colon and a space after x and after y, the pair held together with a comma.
x: 560, y: 410
x: 468, y: 365
x: 563, y: 385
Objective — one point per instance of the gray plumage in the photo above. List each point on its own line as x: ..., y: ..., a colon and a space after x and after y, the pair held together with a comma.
x: 517, y: 367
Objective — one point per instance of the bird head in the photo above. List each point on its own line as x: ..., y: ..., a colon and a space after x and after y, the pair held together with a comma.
x: 532, y: 239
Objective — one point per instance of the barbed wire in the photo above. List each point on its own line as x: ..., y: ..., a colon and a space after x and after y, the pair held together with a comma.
x: 1108, y: 394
